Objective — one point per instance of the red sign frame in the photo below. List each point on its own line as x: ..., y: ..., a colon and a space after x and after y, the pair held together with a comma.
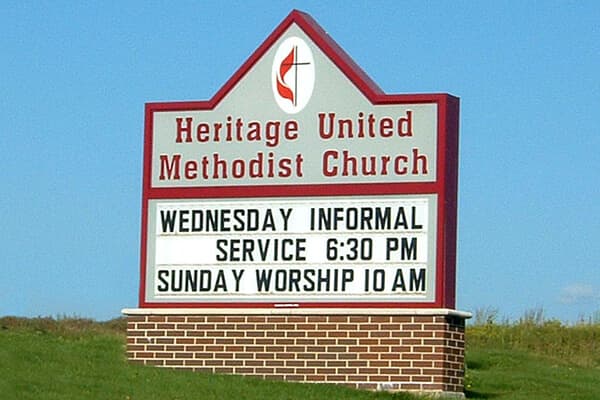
x: 445, y: 185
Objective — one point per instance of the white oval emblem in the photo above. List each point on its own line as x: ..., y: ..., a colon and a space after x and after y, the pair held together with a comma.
x: 293, y: 75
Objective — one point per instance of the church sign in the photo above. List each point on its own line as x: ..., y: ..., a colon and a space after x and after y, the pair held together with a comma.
x: 300, y: 184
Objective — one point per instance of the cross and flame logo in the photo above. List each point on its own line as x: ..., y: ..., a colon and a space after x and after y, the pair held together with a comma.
x: 293, y: 75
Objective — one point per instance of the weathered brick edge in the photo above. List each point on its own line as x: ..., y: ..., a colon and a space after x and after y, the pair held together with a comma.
x: 422, y: 353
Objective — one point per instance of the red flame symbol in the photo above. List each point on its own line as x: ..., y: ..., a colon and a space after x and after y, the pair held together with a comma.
x: 284, y: 90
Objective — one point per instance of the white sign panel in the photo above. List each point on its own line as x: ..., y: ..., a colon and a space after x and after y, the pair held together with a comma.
x: 326, y: 249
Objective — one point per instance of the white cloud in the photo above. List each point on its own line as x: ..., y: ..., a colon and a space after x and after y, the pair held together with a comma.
x: 578, y: 293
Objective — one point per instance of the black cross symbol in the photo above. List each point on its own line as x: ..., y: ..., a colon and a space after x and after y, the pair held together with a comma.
x: 296, y: 64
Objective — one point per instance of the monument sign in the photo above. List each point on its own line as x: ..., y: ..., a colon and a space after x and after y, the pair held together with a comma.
x: 302, y: 212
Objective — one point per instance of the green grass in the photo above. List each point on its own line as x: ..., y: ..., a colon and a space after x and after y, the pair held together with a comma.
x: 533, y: 359
x: 71, y: 358
x: 513, y: 374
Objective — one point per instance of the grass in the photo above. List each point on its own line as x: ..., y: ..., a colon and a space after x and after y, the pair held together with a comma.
x: 513, y: 374
x: 532, y: 358
x: 73, y: 358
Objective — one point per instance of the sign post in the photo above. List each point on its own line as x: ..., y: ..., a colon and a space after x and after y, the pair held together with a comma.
x: 309, y: 214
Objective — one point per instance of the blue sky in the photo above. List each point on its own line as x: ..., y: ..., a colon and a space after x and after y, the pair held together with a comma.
x: 74, y: 78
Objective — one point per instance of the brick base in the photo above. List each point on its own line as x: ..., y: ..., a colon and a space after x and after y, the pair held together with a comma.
x: 417, y: 352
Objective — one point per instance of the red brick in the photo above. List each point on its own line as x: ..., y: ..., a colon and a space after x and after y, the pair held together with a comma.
x: 326, y: 327
x: 368, y: 371
x: 306, y: 327
x: 410, y: 386
x: 380, y: 319
x: 195, y: 319
x: 423, y: 349
x: 410, y: 371
x: 274, y: 363
x: 358, y: 334
x: 421, y: 378
x: 244, y: 370
x: 368, y: 327
x: 390, y: 356
x: 194, y: 362
x: 257, y: 319
x: 234, y: 319
x: 423, y: 364
x: 305, y: 341
x: 335, y: 378
x: 379, y: 363
x: 400, y: 364
x: 215, y: 318
x: 381, y: 334
x: 326, y: 371
x: 358, y: 318
x: 368, y: 342
x: 424, y: 319
x: 326, y: 342
x: 298, y: 319
x: 368, y: 356
x: 357, y: 363
x: 343, y: 349
x: 338, y: 318
x: 285, y: 356
x: 347, y: 356
x: 379, y: 378
x: 357, y: 377
x: 296, y: 334
x: 402, y: 319
x: 423, y: 334
x: 204, y: 355
x: 284, y: 370
x: 390, y: 371
x: 306, y: 356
